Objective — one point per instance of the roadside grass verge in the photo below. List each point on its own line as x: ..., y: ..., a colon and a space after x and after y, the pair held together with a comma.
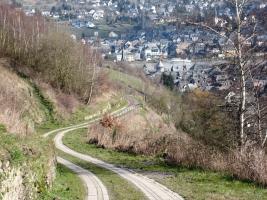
x: 67, y: 186
x: 118, y: 188
x: 190, y: 183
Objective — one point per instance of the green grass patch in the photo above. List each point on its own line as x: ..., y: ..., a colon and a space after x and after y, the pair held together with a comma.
x: 118, y: 188
x: 2, y: 128
x: 11, y: 147
x: 45, y: 103
x: 190, y: 183
x: 126, y: 79
x: 31, y: 154
x: 66, y: 186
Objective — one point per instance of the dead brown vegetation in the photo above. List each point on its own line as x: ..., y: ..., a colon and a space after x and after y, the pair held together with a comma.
x: 49, y: 51
x: 133, y: 133
x: 48, y: 57
x: 207, y: 143
x: 64, y: 104
x: 150, y: 136
x: 250, y: 165
x: 20, y: 110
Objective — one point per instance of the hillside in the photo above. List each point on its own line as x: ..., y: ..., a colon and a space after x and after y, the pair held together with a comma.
x: 74, y: 126
x: 27, y: 161
x: 22, y: 108
x: 147, y: 141
x: 27, y: 167
x: 39, y: 88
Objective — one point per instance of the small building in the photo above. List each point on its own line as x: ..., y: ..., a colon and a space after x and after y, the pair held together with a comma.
x: 113, y: 35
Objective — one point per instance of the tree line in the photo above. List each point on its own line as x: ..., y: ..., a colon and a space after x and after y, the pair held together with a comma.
x: 49, y: 51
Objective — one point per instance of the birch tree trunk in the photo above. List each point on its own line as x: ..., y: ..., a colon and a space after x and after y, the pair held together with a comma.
x: 242, y: 77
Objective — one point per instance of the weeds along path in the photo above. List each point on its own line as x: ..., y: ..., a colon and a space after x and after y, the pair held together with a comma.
x: 151, y: 189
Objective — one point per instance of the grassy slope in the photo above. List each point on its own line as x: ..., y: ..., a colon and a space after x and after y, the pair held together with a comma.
x: 82, y: 112
x: 190, y: 183
x: 66, y: 186
x: 31, y: 151
x: 126, y: 79
x: 28, y: 154
x: 23, y: 107
x: 22, y: 103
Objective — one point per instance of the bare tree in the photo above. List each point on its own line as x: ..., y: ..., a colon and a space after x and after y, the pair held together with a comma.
x: 239, y: 30
x: 258, y: 119
x: 49, y: 50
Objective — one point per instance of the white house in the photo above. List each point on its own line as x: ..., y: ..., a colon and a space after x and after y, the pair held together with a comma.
x: 98, y: 14
x: 113, y: 35
x: 152, y: 51
x: 91, y: 12
x: 90, y: 25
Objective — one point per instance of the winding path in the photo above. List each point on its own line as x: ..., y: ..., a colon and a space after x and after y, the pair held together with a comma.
x: 95, y: 188
x: 151, y: 189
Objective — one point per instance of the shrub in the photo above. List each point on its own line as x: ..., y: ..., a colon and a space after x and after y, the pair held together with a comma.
x: 167, y: 80
x: 205, y: 120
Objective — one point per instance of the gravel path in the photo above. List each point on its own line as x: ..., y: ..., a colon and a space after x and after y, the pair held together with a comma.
x: 152, y: 189
x: 95, y: 188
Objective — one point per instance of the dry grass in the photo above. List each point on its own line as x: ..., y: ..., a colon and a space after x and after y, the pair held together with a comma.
x: 248, y: 165
x: 251, y: 164
x: 105, y: 89
x: 138, y: 132
x: 146, y: 133
x: 20, y: 109
x: 64, y: 104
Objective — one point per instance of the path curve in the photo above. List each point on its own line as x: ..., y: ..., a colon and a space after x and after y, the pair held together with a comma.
x: 152, y: 189
x: 95, y: 188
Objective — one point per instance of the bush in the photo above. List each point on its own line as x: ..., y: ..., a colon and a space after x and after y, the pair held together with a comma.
x: 167, y: 80
x: 206, y: 121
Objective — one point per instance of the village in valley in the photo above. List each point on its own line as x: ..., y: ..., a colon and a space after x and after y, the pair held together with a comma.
x: 133, y: 99
x: 146, y: 35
